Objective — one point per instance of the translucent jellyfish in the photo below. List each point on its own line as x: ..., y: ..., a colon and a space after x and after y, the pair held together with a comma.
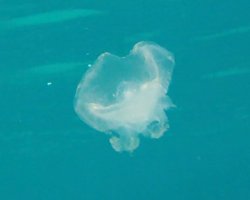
x: 126, y: 97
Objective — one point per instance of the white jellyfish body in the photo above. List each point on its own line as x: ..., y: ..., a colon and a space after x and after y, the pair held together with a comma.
x: 126, y: 97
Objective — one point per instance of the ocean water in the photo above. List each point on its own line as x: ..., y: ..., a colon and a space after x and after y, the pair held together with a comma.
x: 47, y: 152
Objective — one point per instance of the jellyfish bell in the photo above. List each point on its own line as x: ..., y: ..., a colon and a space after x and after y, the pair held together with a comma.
x: 126, y: 97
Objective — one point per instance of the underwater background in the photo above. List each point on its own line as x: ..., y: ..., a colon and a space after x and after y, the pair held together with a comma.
x: 47, y: 152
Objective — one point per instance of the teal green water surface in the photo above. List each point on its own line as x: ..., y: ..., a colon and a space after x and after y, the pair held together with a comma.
x: 48, y: 153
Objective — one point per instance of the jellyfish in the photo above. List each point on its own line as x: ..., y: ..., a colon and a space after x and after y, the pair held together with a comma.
x: 126, y: 97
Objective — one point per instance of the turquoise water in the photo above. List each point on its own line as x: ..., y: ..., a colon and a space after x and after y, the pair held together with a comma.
x: 47, y: 152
